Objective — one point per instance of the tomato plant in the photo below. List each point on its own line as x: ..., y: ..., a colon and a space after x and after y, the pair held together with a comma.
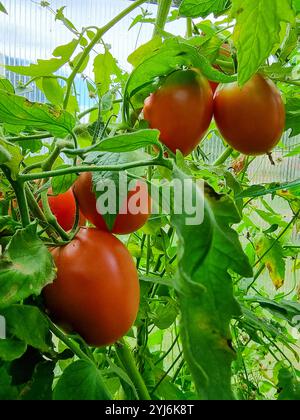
x: 126, y: 221
x: 199, y: 297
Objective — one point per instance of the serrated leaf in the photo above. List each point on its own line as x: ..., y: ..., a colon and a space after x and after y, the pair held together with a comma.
x: 257, y: 32
x: 202, y: 8
x: 206, y: 252
x: 81, y: 381
x: 25, y: 267
x: 105, y: 67
x: 18, y: 111
x: 48, y: 67
x: 23, y: 320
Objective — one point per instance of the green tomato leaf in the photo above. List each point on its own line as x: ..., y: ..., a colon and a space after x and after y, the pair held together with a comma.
x: 144, y: 51
x: 53, y: 91
x: 6, y: 85
x: 61, y: 184
x: 261, y: 190
x: 2, y: 8
x: 25, y: 267
x: 22, y: 320
x: 11, y: 349
x: 18, y: 111
x: 293, y: 115
x: 7, y: 391
x: 81, y: 381
x: 129, y: 142
x: 48, y: 67
x: 289, y: 386
x: 202, y: 8
x: 105, y: 67
x: 206, y: 252
x: 40, y: 386
x: 273, y: 260
x: 287, y: 310
x: 257, y: 32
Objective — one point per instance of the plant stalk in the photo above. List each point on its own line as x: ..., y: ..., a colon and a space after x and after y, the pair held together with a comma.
x: 127, y: 359
x: 164, y: 7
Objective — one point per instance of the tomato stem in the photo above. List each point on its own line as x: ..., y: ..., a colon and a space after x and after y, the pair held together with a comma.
x: 51, y: 219
x: 224, y: 156
x: 90, y: 168
x: 189, y: 28
x: 19, y: 189
x: 164, y: 7
x: 126, y: 356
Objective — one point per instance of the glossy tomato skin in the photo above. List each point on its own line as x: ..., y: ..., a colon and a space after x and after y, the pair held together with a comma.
x: 96, y: 292
x: 125, y: 223
x: 251, y: 119
x: 181, y: 110
x: 63, y: 206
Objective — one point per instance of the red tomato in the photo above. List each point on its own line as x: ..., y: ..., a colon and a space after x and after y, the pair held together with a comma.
x: 96, y: 292
x: 181, y: 110
x: 251, y: 119
x: 126, y: 222
x: 63, y: 206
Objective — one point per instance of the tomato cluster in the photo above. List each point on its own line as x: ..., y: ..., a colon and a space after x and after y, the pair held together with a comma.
x: 250, y: 118
x: 96, y: 291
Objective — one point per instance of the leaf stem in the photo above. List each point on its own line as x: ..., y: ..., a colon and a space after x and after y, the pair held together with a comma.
x: 224, y: 156
x: 31, y: 137
x: 94, y: 42
x: 91, y: 168
x: 189, y: 28
x: 127, y: 359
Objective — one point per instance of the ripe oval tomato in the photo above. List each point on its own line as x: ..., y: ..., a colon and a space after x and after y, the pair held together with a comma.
x: 96, y: 292
x: 181, y: 110
x: 251, y: 119
x: 126, y: 222
x: 63, y: 206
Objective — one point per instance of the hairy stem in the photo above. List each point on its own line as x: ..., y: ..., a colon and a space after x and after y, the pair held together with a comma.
x: 125, y: 355
x: 162, y: 16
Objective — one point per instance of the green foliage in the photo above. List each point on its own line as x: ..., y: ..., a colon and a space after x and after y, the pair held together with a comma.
x: 207, y: 327
x: 81, y: 381
x: 257, y: 32
x: 26, y: 265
